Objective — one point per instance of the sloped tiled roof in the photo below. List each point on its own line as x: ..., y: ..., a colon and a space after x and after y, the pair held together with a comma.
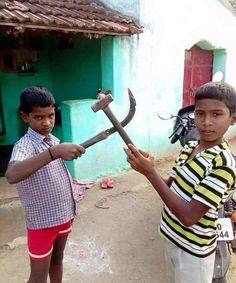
x: 77, y: 16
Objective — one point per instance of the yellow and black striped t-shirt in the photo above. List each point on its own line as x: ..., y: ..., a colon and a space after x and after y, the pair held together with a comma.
x: 209, y: 178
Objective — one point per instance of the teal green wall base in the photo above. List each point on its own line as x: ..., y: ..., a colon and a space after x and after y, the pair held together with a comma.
x: 81, y: 123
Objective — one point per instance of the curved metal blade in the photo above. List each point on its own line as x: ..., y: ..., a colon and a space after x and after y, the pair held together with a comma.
x: 130, y: 115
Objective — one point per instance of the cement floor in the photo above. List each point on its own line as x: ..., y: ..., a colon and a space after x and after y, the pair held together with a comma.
x: 114, y: 237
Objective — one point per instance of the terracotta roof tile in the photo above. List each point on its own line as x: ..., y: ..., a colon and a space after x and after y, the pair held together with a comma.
x: 77, y: 16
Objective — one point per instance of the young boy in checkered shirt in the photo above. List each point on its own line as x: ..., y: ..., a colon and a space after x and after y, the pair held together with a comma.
x: 44, y: 184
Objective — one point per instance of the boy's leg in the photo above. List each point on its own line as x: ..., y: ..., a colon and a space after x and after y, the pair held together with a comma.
x: 170, y: 266
x: 195, y: 269
x: 39, y: 270
x: 185, y: 268
x: 56, y: 265
x: 40, y: 243
x: 46, y: 247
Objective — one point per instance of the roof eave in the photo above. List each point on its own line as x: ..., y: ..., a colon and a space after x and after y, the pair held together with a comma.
x: 66, y: 30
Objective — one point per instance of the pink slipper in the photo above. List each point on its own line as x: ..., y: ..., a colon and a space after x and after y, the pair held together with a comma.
x: 107, y: 183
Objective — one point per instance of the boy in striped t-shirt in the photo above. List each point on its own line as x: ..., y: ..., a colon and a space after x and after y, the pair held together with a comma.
x: 201, y: 180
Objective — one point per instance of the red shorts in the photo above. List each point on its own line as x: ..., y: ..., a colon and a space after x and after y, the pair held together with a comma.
x: 40, y: 242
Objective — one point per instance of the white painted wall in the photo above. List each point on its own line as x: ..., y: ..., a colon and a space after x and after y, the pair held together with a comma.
x: 152, y: 63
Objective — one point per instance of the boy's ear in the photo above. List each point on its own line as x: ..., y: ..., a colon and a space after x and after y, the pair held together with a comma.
x: 24, y: 117
x: 233, y: 119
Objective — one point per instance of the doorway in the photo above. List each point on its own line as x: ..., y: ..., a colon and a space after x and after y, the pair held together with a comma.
x: 5, y: 150
x: 198, y: 66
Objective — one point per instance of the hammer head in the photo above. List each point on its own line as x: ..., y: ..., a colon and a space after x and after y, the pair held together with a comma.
x: 103, y: 102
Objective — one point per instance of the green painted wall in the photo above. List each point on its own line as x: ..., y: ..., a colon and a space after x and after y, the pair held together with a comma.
x: 69, y: 74
x: 11, y: 86
x: 107, y: 63
x: 220, y: 56
x: 75, y: 73
x: 80, y: 123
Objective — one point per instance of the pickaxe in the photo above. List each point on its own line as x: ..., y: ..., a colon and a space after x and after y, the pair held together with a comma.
x: 103, y: 104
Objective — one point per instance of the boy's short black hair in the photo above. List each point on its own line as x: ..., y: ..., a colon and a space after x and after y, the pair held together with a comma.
x: 35, y: 96
x: 220, y: 91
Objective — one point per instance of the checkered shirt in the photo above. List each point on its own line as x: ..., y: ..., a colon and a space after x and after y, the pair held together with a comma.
x: 47, y: 194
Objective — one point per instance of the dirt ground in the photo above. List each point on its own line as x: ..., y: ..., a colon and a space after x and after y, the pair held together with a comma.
x: 114, y: 238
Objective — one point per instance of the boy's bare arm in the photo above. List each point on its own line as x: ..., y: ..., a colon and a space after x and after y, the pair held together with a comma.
x: 20, y: 170
x: 187, y: 212
x: 168, y: 181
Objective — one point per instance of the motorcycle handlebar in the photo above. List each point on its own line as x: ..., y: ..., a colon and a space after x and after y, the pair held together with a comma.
x: 177, y: 133
x: 174, y: 139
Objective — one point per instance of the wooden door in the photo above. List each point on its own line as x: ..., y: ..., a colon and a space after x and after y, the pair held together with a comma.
x: 197, y: 71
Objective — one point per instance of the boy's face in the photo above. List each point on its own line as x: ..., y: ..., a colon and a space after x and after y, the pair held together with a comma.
x: 40, y: 119
x: 212, y: 119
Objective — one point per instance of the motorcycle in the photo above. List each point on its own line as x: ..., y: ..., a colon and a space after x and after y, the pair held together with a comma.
x: 184, y: 130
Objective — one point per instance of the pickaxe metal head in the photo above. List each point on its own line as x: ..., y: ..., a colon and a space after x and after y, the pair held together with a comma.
x: 104, y: 101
